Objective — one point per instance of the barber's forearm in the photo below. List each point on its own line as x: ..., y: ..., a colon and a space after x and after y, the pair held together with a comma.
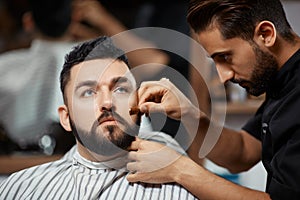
x: 237, y: 151
x: 225, y: 147
x: 194, y: 121
x: 144, y: 51
x: 205, y: 185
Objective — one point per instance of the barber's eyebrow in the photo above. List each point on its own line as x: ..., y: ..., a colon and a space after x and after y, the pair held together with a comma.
x: 216, y: 54
x: 220, y: 53
x: 88, y: 83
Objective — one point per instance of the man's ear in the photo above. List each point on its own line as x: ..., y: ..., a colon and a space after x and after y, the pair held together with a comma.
x: 265, y: 34
x: 64, y: 117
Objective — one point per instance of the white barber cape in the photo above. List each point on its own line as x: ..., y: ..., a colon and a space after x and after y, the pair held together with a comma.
x: 74, y: 177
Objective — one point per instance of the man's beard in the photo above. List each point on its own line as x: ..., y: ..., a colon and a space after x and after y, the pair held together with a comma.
x: 264, y: 71
x: 117, y: 141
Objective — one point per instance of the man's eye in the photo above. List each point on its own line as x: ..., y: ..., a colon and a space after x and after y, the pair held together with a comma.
x: 121, y: 90
x: 88, y: 93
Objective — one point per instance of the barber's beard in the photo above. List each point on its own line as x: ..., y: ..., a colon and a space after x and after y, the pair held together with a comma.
x: 117, y: 140
x: 264, y: 71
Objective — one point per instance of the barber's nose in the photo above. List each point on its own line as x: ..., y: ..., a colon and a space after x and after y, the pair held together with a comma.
x: 225, y: 73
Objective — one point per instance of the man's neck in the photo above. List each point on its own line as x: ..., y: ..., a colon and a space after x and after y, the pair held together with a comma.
x: 116, y: 161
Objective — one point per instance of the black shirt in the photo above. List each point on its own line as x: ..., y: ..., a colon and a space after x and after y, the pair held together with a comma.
x: 277, y: 125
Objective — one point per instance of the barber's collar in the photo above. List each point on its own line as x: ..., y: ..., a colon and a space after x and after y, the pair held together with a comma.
x: 284, y: 80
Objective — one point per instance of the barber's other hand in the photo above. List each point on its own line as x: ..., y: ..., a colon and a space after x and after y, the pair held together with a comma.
x: 90, y: 11
x: 152, y: 162
x: 163, y: 96
x: 89, y: 19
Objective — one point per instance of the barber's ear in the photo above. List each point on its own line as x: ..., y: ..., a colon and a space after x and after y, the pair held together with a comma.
x: 64, y: 117
x: 265, y: 34
x: 28, y: 22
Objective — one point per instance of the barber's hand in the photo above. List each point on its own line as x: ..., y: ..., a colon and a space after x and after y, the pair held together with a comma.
x: 152, y: 162
x: 89, y: 19
x: 90, y: 11
x: 163, y: 96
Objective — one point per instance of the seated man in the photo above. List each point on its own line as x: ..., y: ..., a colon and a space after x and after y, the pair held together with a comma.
x: 98, y: 91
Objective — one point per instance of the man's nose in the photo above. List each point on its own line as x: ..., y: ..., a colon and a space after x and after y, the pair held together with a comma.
x: 105, y: 101
x: 225, y: 73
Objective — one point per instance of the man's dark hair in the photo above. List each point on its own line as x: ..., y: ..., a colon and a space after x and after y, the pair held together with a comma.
x: 99, y: 48
x: 52, y: 17
x: 238, y: 18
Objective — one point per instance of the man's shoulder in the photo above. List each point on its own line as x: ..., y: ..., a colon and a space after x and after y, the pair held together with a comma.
x: 37, y: 174
x: 13, y: 63
x: 13, y: 56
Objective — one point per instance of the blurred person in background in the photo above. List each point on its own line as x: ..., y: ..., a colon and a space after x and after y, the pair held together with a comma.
x: 91, y: 19
x: 29, y: 92
x: 12, y: 34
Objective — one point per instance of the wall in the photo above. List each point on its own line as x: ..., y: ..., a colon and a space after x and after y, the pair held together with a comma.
x: 292, y: 9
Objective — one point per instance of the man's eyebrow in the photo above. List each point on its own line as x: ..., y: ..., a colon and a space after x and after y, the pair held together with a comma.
x: 86, y: 83
x: 120, y: 79
x: 91, y: 83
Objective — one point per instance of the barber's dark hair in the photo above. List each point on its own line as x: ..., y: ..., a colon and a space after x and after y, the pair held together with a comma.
x: 99, y: 48
x: 52, y: 17
x: 238, y: 18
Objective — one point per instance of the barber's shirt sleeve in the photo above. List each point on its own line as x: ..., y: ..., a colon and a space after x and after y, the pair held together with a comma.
x: 254, y: 124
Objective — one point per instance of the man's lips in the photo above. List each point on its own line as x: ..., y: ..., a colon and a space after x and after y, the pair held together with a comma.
x: 107, y: 120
